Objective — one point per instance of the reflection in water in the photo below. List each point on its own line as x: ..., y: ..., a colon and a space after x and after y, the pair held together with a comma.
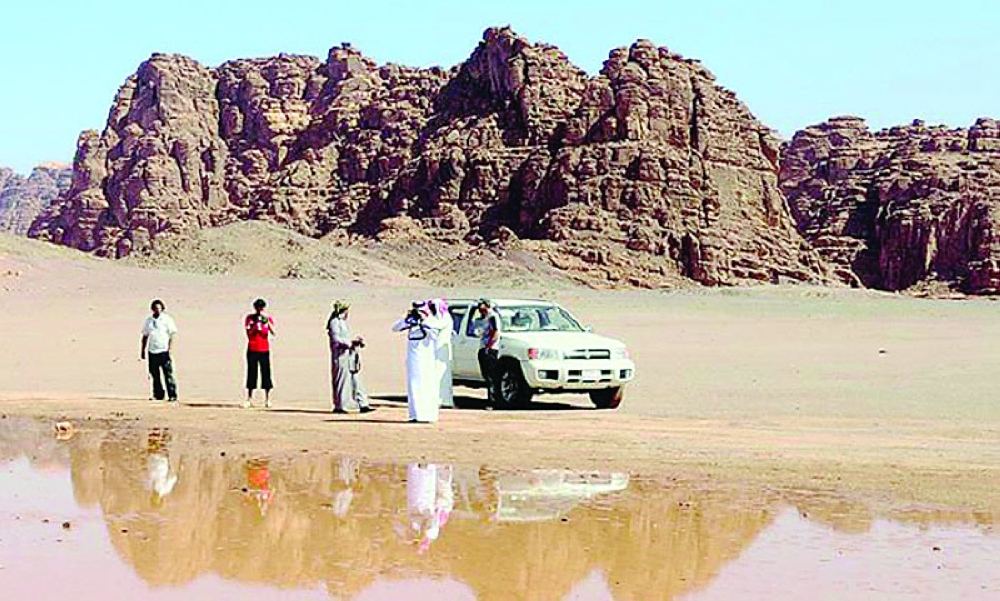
x: 429, y: 502
x: 258, y: 487
x: 160, y: 479
x: 350, y: 528
x: 343, y: 486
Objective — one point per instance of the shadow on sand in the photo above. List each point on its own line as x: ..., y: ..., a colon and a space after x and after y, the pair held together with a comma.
x: 474, y: 402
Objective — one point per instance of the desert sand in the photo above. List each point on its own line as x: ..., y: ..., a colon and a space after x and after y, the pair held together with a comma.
x: 880, y: 396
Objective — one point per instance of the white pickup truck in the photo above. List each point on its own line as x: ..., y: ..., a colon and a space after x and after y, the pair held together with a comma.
x: 543, y: 348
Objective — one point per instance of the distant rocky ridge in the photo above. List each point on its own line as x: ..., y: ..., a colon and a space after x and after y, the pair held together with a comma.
x: 22, y: 199
x: 902, y: 206
x: 643, y: 175
x: 647, y: 174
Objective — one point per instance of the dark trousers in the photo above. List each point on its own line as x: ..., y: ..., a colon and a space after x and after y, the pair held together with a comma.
x: 161, y: 362
x: 261, y: 359
x: 489, y: 364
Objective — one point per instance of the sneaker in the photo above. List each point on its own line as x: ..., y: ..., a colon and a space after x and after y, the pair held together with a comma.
x: 172, y: 401
x: 340, y: 411
x: 267, y: 404
x: 367, y: 409
x: 246, y: 404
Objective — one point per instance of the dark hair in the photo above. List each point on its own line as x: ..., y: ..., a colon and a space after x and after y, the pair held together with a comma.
x: 259, y: 304
x: 152, y: 305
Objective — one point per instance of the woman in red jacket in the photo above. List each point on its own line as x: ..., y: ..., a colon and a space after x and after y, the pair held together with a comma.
x: 259, y: 328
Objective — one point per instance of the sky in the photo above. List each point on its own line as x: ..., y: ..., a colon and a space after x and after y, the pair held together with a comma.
x: 794, y: 62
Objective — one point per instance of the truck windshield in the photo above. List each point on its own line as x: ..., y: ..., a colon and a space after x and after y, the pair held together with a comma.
x: 538, y: 318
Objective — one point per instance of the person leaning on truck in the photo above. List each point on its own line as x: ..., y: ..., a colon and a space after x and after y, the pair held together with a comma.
x: 487, y: 327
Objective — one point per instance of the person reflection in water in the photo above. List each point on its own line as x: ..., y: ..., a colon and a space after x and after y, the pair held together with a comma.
x: 430, y: 499
x: 258, y: 488
x: 343, y: 487
x: 160, y: 479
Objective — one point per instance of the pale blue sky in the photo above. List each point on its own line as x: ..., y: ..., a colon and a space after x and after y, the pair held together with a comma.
x: 793, y: 62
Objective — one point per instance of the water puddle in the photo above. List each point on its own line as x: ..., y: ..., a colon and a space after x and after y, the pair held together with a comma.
x: 131, y: 513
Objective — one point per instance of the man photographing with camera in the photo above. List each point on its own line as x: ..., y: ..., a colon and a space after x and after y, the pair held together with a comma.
x: 423, y: 325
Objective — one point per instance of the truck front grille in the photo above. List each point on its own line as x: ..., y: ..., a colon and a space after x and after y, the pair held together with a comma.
x: 587, y: 354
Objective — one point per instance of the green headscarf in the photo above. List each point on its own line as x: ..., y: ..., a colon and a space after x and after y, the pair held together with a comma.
x: 339, y: 306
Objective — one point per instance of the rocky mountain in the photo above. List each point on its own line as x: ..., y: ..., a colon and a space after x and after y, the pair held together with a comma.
x: 22, y: 199
x: 646, y: 174
x: 899, y: 207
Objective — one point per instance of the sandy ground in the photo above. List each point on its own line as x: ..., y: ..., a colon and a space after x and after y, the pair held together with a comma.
x: 891, y: 398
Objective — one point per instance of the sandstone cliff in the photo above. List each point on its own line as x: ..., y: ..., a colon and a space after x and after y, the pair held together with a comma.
x: 645, y: 174
x: 22, y: 199
x: 902, y: 206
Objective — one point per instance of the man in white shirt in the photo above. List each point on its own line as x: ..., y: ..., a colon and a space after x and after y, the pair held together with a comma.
x: 157, y: 339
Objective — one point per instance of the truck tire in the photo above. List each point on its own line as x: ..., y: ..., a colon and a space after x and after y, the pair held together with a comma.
x: 607, y: 398
x: 514, y: 392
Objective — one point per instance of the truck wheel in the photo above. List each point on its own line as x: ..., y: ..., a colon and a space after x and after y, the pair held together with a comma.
x: 607, y: 398
x: 514, y: 392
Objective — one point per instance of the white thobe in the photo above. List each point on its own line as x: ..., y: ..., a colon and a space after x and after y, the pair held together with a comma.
x: 423, y: 381
x: 443, y: 355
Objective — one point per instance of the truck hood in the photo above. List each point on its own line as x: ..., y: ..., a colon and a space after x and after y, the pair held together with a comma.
x: 562, y: 341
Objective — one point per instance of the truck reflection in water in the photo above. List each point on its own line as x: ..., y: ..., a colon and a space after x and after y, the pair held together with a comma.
x: 541, y: 495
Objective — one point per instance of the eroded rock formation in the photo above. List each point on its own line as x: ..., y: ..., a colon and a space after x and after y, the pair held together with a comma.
x: 641, y: 175
x: 894, y: 208
x: 22, y: 199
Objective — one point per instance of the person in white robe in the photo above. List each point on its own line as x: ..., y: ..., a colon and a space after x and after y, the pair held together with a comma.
x: 423, y: 382
x: 443, y: 350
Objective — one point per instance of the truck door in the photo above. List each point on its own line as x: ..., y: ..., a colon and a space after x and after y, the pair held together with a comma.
x: 465, y: 345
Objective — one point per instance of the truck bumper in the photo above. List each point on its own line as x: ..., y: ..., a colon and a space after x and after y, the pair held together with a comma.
x: 568, y: 376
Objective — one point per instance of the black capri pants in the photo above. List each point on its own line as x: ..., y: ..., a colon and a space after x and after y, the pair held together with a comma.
x: 259, y: 360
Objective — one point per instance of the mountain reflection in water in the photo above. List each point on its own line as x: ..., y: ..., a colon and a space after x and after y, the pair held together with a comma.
x: 349, y: 527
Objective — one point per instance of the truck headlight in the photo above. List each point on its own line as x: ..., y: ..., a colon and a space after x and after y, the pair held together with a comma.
x: 546, y: 354
x: 620, y: 353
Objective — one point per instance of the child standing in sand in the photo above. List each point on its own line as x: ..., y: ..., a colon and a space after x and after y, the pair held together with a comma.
x: 259, y: 328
